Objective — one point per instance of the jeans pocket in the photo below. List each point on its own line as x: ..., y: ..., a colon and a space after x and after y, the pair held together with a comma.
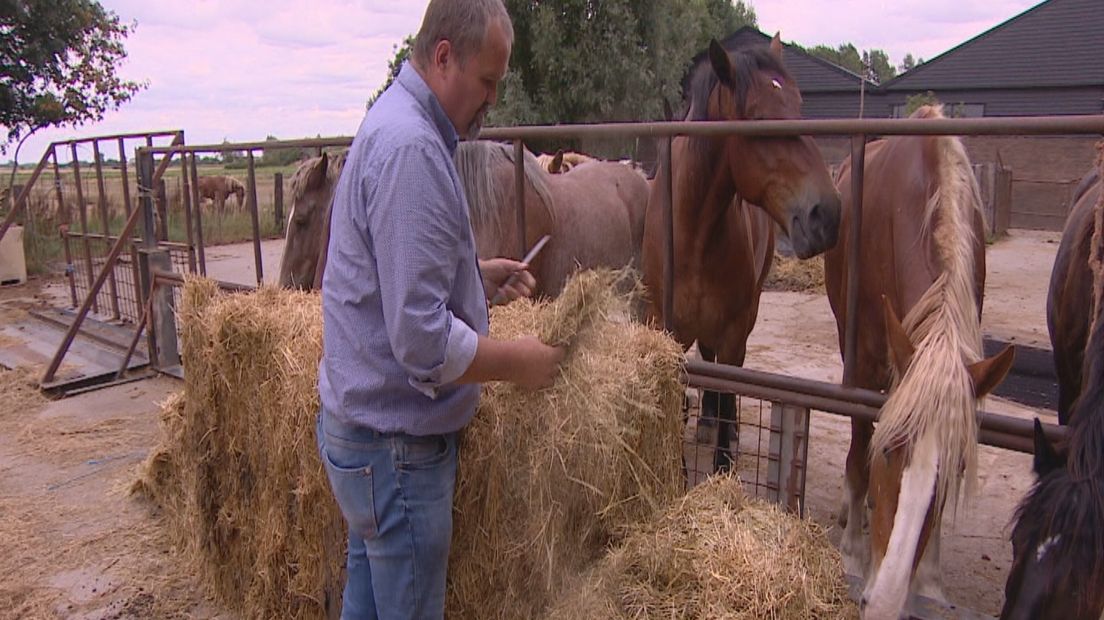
x: 352, y: 487
x: 425, y: 452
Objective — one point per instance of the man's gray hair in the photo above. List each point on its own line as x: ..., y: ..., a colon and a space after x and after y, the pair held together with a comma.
x: 461, y: 22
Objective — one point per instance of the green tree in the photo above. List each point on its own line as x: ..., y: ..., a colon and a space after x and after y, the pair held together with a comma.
x: 872, y: 64
x: 58, y: 64
x: 577, y: 61
x: 878, y: 67
x: 846, y: 56
x: 401, y: 54
x: 279, y: 156
x: 908, y: 63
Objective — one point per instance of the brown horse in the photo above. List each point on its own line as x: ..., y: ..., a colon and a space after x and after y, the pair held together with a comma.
x: 312, y: 188
x: 217, y: 188
x: 1070, y: 294
x: 725, y: 192
x: 595, y: 214
x: 923, y: 258
x: 1058, y: 537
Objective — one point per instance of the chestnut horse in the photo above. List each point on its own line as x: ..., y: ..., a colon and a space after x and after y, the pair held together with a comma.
x: 923, y: 258
x: 595, y: 214
x: 725, y: 192
x: 218, y: 188
x: 1058, y: 537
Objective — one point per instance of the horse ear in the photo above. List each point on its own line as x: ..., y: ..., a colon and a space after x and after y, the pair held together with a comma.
x: 1046, y: 457
x: 557, y: 162
x: 900, y: 347
x: 722, y: 64
x: 988, y: 373
x: 316, y: 178
x: 776, y: 46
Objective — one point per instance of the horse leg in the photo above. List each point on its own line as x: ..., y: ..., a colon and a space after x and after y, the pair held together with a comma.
x: 928, y: 581
x: 728, y: 430
x: 706, y: 432
x: 854, y: 546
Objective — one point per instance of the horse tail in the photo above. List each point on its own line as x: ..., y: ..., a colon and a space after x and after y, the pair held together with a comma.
x: 935, y: 395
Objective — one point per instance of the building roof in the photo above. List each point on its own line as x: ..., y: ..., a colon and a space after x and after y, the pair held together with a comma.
x: 1057, y: 43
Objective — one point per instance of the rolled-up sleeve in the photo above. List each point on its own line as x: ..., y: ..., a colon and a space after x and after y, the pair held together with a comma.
x: 417, y: 231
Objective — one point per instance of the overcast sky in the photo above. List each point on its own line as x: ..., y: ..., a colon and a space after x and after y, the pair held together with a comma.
x: 245, y: 69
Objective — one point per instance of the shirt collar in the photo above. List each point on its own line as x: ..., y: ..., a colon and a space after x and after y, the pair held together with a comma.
x: 416, y: 86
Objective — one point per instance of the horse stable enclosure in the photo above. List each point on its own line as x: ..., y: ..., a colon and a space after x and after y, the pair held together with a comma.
x: 132, y: 277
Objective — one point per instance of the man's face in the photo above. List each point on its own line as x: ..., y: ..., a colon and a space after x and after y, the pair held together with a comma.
x: 471, y: 87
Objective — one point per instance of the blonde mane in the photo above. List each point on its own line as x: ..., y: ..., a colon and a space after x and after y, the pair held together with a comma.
x: 935, y: 397
x: 476, y: 163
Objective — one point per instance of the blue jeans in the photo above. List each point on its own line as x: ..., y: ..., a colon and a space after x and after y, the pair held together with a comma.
x: 395, y: 492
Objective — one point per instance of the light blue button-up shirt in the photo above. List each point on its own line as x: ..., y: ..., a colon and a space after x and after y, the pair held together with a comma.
x: 402, y: 296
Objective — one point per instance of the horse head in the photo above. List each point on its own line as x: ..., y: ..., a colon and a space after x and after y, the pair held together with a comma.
x: 785, y: 175
x: 238, y: 189
x: 1057, y: 556
x: 312, y: 187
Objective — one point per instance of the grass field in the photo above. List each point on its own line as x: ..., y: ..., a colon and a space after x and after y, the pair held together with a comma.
x: 41, y: 221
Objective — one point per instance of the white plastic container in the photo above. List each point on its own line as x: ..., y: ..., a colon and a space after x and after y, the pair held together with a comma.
x: 13, y: 261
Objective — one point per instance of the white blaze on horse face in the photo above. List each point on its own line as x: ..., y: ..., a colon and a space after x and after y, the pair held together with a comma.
x: 887, y: 593
x: 1046, y: 546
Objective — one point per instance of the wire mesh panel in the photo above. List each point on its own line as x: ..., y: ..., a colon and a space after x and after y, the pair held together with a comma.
x: 118, y: 302
x: 765, y: 443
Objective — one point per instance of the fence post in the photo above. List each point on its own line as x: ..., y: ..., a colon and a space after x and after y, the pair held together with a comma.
x: 162, y: 201
x: 161, y: 328
x: 788, y: 455
x: 278, y: 198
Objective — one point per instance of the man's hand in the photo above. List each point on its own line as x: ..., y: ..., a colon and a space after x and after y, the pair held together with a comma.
x: 542, y: 363
x: 497, y: 279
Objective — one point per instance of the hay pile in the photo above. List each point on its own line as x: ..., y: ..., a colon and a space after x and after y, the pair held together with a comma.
x: 547, y: 479
x: 238, y: 472
x: 716, y: 554
x: 789, y: 273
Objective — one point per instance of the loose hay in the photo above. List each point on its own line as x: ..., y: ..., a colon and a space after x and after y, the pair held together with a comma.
x: 20, y: 389
x: 716, y: 554
x: 789, y: 273
x: 546, y: 480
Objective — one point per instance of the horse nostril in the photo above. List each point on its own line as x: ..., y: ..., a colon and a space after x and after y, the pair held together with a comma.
x: 816, y: 216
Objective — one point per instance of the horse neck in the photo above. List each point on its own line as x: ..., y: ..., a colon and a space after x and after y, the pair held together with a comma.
x: 1086, y: 457
x: 703, y: 189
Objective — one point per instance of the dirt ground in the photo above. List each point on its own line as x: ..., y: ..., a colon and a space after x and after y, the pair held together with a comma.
x: 76, y: 545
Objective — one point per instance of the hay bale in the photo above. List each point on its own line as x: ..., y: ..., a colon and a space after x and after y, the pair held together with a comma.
x: 716, y: 554
x: 547, y: 479
x: 237, y: 472
x: 789, y: 273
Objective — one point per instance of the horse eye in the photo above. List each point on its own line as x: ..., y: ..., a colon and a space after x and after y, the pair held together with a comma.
x: 775, y: 83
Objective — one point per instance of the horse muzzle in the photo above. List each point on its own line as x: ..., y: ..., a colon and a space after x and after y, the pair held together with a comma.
x: 815, y: 230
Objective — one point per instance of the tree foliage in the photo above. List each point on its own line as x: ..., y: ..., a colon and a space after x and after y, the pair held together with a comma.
x: 576, y: 61
x: 873, y: 64
x: 58, y: 64
x: 401, y: 54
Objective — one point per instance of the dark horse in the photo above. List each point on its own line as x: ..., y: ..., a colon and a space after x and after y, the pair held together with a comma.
x: 726, y: 191
x: 1071, y: 294
x: 1058, y: 539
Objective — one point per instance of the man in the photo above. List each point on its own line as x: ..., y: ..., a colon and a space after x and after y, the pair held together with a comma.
x: 405, y: 315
